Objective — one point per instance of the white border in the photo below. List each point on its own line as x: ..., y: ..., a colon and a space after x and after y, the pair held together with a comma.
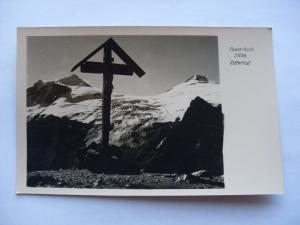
x: 252, y: 158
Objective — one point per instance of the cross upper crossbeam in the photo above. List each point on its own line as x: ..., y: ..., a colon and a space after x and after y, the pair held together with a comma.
x: 112, y: 68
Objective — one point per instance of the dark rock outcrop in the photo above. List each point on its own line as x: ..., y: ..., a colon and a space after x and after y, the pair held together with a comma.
x: 195, y: 143
x: 53, y: 142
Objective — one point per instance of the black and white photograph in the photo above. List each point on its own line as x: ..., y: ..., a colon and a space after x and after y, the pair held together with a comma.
x: 167, y: 112
x: 124, y: 112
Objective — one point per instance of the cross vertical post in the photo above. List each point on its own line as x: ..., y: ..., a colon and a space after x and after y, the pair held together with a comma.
x: 108, y: 69
x: 106, y: 98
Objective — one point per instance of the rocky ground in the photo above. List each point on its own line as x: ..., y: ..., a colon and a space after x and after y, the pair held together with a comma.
x: 82, y: 178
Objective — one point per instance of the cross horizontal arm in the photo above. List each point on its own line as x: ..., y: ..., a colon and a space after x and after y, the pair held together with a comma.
x: 99, y: 67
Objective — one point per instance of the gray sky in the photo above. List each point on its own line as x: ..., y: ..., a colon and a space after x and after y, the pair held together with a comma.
x: 167, y: 60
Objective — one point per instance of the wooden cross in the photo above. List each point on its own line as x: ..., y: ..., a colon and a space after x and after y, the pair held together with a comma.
x: 108, y: 69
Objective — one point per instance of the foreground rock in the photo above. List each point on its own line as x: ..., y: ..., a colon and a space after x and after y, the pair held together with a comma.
x: 109, y: 161
x: 74, y: 178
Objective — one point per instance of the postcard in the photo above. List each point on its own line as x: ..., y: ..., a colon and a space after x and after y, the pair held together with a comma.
x: 147, y: 111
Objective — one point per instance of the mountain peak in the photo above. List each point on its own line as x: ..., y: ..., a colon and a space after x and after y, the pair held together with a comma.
x: 199, y: 78
x: 73, y: 80
x: 71, y: 88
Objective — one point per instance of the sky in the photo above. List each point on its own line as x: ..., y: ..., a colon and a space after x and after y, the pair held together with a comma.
x: 167, y: 60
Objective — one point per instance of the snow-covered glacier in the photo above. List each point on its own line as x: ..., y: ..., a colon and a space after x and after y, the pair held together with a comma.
x: 75, y: 99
